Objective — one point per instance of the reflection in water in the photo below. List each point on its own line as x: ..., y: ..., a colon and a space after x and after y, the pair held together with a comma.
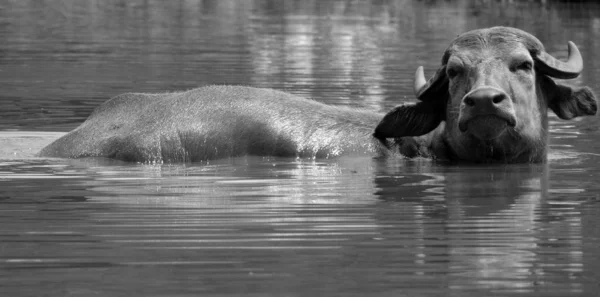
x: 339, y: 225
x: 340, y: 52
x: 494, y: 226
x: 270, y: 226
x: 506, y: 240
x: 285, y: 55
x: 264, y: 222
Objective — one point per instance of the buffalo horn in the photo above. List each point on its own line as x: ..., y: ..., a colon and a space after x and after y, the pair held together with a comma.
x: 559, y: 69
x: 427, y: 90
x: 420, y: 80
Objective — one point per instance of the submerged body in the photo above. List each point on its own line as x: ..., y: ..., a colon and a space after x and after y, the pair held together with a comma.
x: 216, y: 122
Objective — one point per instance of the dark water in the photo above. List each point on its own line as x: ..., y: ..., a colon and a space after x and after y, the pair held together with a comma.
x: 251, y: 226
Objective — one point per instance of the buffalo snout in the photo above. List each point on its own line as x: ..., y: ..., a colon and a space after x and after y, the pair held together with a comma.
x: 486, y: 112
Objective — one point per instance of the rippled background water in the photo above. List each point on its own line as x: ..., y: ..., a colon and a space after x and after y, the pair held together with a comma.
x: 252, y: 226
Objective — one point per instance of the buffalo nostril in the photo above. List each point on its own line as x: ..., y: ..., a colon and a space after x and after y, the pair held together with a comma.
x: 484, y: 98
x: 469, y: 101
x: 498, y: 98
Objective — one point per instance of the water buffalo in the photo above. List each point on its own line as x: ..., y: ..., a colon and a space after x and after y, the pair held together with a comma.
x: 488, y: 102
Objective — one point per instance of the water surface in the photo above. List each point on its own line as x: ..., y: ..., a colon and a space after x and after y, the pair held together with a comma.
x: 253, y: 226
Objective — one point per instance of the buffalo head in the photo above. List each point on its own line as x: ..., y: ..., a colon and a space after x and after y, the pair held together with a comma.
x: 489, y: 99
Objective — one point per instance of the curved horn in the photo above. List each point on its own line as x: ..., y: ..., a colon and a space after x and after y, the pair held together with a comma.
x: 559, y: 69
x: 427, y: 90
x: 420, y: 80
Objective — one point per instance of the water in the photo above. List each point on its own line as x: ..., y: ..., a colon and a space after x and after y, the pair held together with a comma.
x: 352, y: 226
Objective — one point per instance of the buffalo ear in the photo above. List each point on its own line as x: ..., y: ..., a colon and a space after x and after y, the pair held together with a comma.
x: 413, y: 119
x: 569, y: 102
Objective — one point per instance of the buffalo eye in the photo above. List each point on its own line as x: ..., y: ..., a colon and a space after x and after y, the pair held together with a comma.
x: 454, y: 67
x: 453, y: 72
x: 526, y: 66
